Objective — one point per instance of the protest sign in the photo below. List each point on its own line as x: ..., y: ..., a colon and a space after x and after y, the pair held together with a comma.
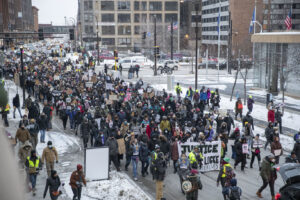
x: 211, y: 152
x: 245, y: 148
x: 222, y: 112
x: 109, y: 86
x: 89, y: 84
x: 113, y: 97
x: 141, y: 91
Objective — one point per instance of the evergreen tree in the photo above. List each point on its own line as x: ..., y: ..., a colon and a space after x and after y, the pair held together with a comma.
x: 3, y: 96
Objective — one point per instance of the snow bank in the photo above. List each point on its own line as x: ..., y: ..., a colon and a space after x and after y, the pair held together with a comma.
x: 118, y: 187
x: 60, y: 141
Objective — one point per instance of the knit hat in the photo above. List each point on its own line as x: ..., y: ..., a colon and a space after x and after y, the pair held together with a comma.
x: 233, y: 182
x: 79, y: 167
x: 226, y: 159
x: 49, y: 143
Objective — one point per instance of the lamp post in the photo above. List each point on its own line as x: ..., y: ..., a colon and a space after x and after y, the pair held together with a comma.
x: 23, y: 76
x: 74, y: 22
x: 155, y: 56
x: 196, y: 50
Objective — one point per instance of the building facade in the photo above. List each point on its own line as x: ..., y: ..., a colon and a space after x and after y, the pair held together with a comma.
x: 235, y: 17
x: 122, y: 24
x: 35, y: 12
x: 276, y: 11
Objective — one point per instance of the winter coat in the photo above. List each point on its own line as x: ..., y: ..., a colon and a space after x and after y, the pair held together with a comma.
x: 158, y: 168
x: 164, y: 147
x: 113, y: 146
x: 248, y: 118
x: 203, y: 96
x: 297, y: 149
x: 33, y: 170
x: 33, y: 129
x: 24, y: 151
x: 23, y: 135
x: 50, y: 155
x: 100, y: 140
x: 16, y: 101
x: 238, y: 107
x: 229, y: 121
x: 165, y: 124
x: 53, y: 184
x: 266, y: 170
x: 276, y: 146
x: 43, y: 122
x: 47, y: 110
x: 33, y: 111
x: 250, y: 103
x: 75, y: 177
x: 269, y: 133
x: 71, y: 114
x: 278, y: 116
x: 85, y: 130
x: 271, y: 116
x: 174, y: 151
x: 144, y: 152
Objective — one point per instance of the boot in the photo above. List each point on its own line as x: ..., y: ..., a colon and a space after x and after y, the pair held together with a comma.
x: 259, y: 194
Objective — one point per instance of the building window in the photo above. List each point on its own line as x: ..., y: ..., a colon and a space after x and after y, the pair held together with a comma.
x: 169, y: 17
x: 108, y: 17
x: 158, y: 17
x: 88, y: 17
x: 107, y: 5
x: 108, y: 30
x: 171, y: 6
x: 124, y: 18
x: 136, y: 30
x: 144, y: 5
x: 144, y: 17
x: 124, y: 30
x: 88, y: 29
x: 88, y: 5
x: 108, y: 41
x: 123, y: 5
x: 136, y: 5
x: 155, y: 6
x: 124, y: 41
x: 136, y: 18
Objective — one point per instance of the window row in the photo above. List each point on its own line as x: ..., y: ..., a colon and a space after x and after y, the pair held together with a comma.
x: 126, y: 18
x: 138, y: 5
x: 214, y: 37
x: 111, y: 41
x: 211, y: 2
x: 215, y: 10
x: 215, y: 19
x: 215, y: 28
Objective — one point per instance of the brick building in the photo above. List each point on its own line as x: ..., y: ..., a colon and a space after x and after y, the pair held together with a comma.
x: 35, y: 12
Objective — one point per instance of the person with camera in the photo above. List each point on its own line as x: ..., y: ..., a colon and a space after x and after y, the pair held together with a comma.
x: 76, y: 181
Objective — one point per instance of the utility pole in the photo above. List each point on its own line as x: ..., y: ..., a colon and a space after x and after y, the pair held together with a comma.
x: 172, y: 39
x: 196, y: 50
x: 155, y: 58
x: 23, y: 76
x: 229, y: 45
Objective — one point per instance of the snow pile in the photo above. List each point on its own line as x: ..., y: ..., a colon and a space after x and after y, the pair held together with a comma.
x: 118, y: 187
x: 60, y: 141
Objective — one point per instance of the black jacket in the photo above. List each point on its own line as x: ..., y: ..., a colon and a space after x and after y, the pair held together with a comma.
x: 53, y: 184
x: 43, y: 122
x: 16, y: 101
x: 85, y: 129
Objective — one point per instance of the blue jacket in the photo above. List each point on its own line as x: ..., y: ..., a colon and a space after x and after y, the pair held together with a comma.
x: 71, y: 114
x: 203, y: 96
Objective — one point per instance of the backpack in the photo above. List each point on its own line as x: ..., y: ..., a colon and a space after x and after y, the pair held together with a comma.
x: 240, y: 106
x: 229, y: 175
x: 234, y: 193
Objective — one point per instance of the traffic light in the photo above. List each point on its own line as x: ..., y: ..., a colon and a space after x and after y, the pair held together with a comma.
x: 144, y: 35
x: 41, y: 34
x: 71, y: 31
x: 116, y: 54
x: 156, y: 51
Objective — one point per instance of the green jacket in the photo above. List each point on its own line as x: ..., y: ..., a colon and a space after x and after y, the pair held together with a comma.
x: 266, y: 169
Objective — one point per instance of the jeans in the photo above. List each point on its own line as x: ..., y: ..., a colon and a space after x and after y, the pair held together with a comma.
x: 76, y: 193
x: 128, y: 159
x: 19, y: 109
x: 42, y: 138
x: 32, y: 178
x: 135, y: 161
x: 72, y: 124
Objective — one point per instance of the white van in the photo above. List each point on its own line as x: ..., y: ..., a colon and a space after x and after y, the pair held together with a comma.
x: 143, y: 61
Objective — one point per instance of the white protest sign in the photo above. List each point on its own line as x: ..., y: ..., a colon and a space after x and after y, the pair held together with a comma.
x: 109, y: 86
x: 89, y: 84
x: 211, y: 152
x: 113, y: 97
x: 245, y: 148
x: 141, y: 91
x: 277, y: 152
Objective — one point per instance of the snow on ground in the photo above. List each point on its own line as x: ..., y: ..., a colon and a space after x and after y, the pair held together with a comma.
x: 118, y: 187
x: 60, y: 141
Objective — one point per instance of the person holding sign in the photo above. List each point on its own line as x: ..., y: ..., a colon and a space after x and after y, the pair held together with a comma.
x: 276, y: 149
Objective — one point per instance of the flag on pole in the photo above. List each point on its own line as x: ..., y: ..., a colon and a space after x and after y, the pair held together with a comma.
x: 252, y: 22
x: 218, y: 28
x: 288, y: 20
x: 175, y: 26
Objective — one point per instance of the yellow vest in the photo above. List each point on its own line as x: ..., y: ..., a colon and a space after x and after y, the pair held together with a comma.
x: 177, y: 88
x: 33, y: 165
x: 224, y: 170
x: 192, y: 157
x: 7, y: 108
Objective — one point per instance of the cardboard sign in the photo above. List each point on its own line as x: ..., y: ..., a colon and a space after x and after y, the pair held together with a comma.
x: 89, y: 84
x: 222, y: 112
x: 211, y: 152
x: 69, y: 68
x: 113, y: 97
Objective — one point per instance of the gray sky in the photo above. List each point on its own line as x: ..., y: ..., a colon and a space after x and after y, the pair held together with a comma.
x: 56, y: 10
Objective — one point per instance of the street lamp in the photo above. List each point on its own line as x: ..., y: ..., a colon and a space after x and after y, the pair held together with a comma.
x: 74, y: 22
x: 23, y: 76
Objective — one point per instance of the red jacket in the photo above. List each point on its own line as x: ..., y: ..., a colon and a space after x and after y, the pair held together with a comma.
x: 271, y: 116
x: 148, y: 131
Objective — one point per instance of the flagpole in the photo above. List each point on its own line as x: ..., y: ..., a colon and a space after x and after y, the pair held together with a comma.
x: 219, y: 33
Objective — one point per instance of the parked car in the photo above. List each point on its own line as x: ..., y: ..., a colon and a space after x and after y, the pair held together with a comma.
x: 173, y: 64
x: 290, y: 174
x: 127, y: 62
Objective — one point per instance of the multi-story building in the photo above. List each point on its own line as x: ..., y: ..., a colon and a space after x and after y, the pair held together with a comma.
x: 276, y: 11
x: 235, y: 17
x: 35, y: 12
x: 122, y: 23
